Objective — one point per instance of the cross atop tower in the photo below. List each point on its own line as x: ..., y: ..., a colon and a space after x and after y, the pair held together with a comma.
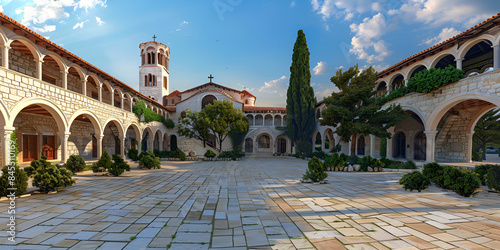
x: 211, y: 77
x: 154, y: 38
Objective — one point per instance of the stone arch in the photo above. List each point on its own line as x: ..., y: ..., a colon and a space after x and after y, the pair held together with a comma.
x: 249, y: 145
x: 4, y: 114
x: 118, y: 124
x: 57, y: 59
x: 469, y: 44
x: 136, y: 129
x: 147, y: 142
x: 107, y: 92
x: 392, y: 82
x: 437, y: 58
x: 48, y: 105
x: 278, y: 120
x: 3, y: 38
x: 165, y: 141
x: 259, y: 120
x: 75, y: 77
x: 268, y: 120
x: 417, y: 111
x: 157, y: 140
x: 26, y: 42
x: 282, y: 144
x: 328, y: 134
x: 317, y: 134
x: 109, y: 140
x: 380, y: 88
x: 127, y: 102
x: 440, y: 110
x: 264, y: 141
x: 250, y: 118
x: 90, y: 115
x: 117, y: 92
x: 207, y: 99
x: 415, y: 68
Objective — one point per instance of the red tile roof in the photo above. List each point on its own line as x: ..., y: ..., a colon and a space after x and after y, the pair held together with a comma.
x: 248, y: 93
x: 263, y: 109
x: 177, y: 92
x: 443, y: 45
x: 170, y: 108
x: 51, y: 46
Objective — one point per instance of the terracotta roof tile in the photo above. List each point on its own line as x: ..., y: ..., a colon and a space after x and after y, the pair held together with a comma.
x: 253, y: 108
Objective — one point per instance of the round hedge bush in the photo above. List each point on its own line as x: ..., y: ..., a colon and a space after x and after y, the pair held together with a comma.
x: 20, y: 182
x: 210, y: 154
x: 414, y: 181
x: 149, y: 160
x: 75, y: 163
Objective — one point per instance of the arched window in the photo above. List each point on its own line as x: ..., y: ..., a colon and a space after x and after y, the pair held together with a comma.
x: 398, y: 82
x: 381, y: 89
x: 361, y: 145
x: 153, y: 58
x: 183, y: 114
x: 150, y: 80
x: 248, y: 145
x: 264, y: 141
x: 209, y: 99
x: 142, y: 58
x: 400, y: 146
x: 165, y: 82
x: 154, y: 81
x: 149, y: 58
x: 146, y: 80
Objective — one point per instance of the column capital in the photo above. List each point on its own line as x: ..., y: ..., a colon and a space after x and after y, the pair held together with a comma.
x: 372, y: 136
x: 38, y: 60
x: 495, y: 46
x: 5, y: 47
x: 430, y: 132
x: 65, y: 71
x: 63, y: 134
x: 459, y: 59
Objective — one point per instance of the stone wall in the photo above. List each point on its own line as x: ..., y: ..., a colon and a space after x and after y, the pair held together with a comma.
x: 80, y: 140
x: 53, y: 71
x: 22, y: 63
x: 74, y: 83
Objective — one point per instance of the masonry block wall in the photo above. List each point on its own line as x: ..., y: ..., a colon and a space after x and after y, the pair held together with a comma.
x: 80, y: 140
x: 22, y: 63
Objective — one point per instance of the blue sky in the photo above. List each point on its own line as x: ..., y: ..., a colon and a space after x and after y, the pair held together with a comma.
x: 248, y: 44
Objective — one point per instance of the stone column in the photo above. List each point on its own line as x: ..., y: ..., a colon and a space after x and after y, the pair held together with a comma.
x: 99, y: 145
x: 64, y: 144
x: 139, y: 145
x: 84, y: 87
x: 64, y: 79
x: 469, y: 146
x: 496, y: 56
x: 349, y: 148
x: 372, y: 146
x: 6, y: 133
x: 389, y: 144
x: 113, y: 97
x: 122, y: 146
x: 39, y: 63
x: 5, y: 56
x: 430, y: 145
x: 99, y: 92
x: 122, y: 101
x: 459, y: 62
x: 323, y: 140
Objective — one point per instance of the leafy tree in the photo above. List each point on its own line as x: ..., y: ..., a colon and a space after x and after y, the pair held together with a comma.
x: 487, y: 130
x: 223, y: 118
x: 300, y: 97
x: 194, y: 125
x: 140, y: 109
x: 13, y: 138
x: 355, y: 110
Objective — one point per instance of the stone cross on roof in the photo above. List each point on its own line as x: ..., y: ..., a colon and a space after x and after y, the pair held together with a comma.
x: 154, y: 38
x: 211, y: 77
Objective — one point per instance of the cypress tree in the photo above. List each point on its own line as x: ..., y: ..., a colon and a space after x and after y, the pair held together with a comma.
x: 300, y: 97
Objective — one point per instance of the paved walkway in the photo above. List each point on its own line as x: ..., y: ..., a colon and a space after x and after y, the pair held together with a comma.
x: 255, y: 203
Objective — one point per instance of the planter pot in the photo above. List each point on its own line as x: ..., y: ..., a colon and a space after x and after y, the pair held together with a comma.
x: 370, y: 169
x: 356, y: 167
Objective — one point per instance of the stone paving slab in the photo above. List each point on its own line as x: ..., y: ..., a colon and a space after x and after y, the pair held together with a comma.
x: 256, y: 203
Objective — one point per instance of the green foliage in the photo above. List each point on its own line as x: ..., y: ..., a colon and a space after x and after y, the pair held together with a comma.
x: 133, y: 154
x: 119, y: 166
x: 237, y: 139
x: 210, y: 154
x: 231, y: 154
x: 194, y: 125
x: 355, y: 110
x: 376, y: 163
x: 315, y: 171
x: 75, y: 163
x: 140, y: 109
x: 365, y: 162
x: 383, y: 147
x: 482, y: 172
x: 414, y: 181
x: 337, y: 148
x: 493, y: 178
x: 487, y: 130
x: 105, y: 162
x: 410, y: 165
x: 149, y: 160
x: 465, y: 183
x: 435, y: 173
x: 48, y: 177
x: 303, y: 149
x: 451, y: 174
x: 181, y: 154
x: 13, y: 139
x: 336, y: 160
x: 20, y: 182
x: 319, y: 154
x: 300, y: 99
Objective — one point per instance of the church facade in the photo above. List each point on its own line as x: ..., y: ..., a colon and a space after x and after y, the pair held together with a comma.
x: 59, y: 105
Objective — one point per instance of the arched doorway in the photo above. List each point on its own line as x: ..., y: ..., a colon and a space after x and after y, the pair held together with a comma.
x: 400, y: 145
x: 419, y: 146
x: 209, y: 99
x: 248, y: 145
x: 317, y: 142
x: 361, y: 145
x: 111, y: 141
x: 156, y: 141
x: 281, y: 145
x: 83, y: 140
x: 173, y: 142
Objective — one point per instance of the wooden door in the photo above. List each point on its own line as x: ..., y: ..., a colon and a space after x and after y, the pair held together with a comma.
x: 30, y: 147
x: 49, y: 147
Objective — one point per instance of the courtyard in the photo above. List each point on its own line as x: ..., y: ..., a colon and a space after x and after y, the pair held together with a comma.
x: 256, y: 203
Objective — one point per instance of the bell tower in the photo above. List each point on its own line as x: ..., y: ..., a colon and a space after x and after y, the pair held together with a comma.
x: 153, y: 72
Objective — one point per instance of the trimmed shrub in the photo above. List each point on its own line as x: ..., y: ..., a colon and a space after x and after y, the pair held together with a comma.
x: 410, y: 165
x: 149, y: 160
x: 133, y: 154
x: 465, y: 183
x: 226, y: 154
x: 48, y: 177
x: 482, y: 172
x: 493, y: 178
x: 376, y: 163
x: 383, y: 148
x: 304, y: 149
x: 20, y: 182
x: 328, y: 165
x: 477, y: 155
x: 364, y: 162
x: 315, y: 171
x: 75, y: 163
x: 181, y: 154
x: 119, y: 166
x: 210, y: 154
x: 414, y: 181
x: 319, y: 154
x: 451, y: 174
x: 435, y: 173
x: 104, y: 163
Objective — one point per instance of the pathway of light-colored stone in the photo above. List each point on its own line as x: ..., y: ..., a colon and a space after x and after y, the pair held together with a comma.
x: 256, y: 203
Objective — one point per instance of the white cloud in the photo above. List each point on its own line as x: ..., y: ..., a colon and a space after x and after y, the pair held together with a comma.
x: 184, y: 23
x: 292, y: 4
x: 46, y: 28
x: 278, y: 86
x: 87, y: 4
x: 44, y: 10
x: 320, y: 95
x: 377, y: 68
x: 439, y: 12
x: 349, y: 16
x: 99, y: 21
x: 444, y: 35
x: 1, y: 8
x: 364, y: 39
x: 320, y: 68
x: 79, y: 25
x: 328, y: 8
x: 340, y: 67
x: 315, y: 4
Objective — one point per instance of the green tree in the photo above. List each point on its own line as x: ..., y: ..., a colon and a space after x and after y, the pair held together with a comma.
x: 355, y: 111
x: 13, y: 138
x: 300, y: 96
x: 194, y: 125
x: 487, y: 130
x: 223, y: 118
